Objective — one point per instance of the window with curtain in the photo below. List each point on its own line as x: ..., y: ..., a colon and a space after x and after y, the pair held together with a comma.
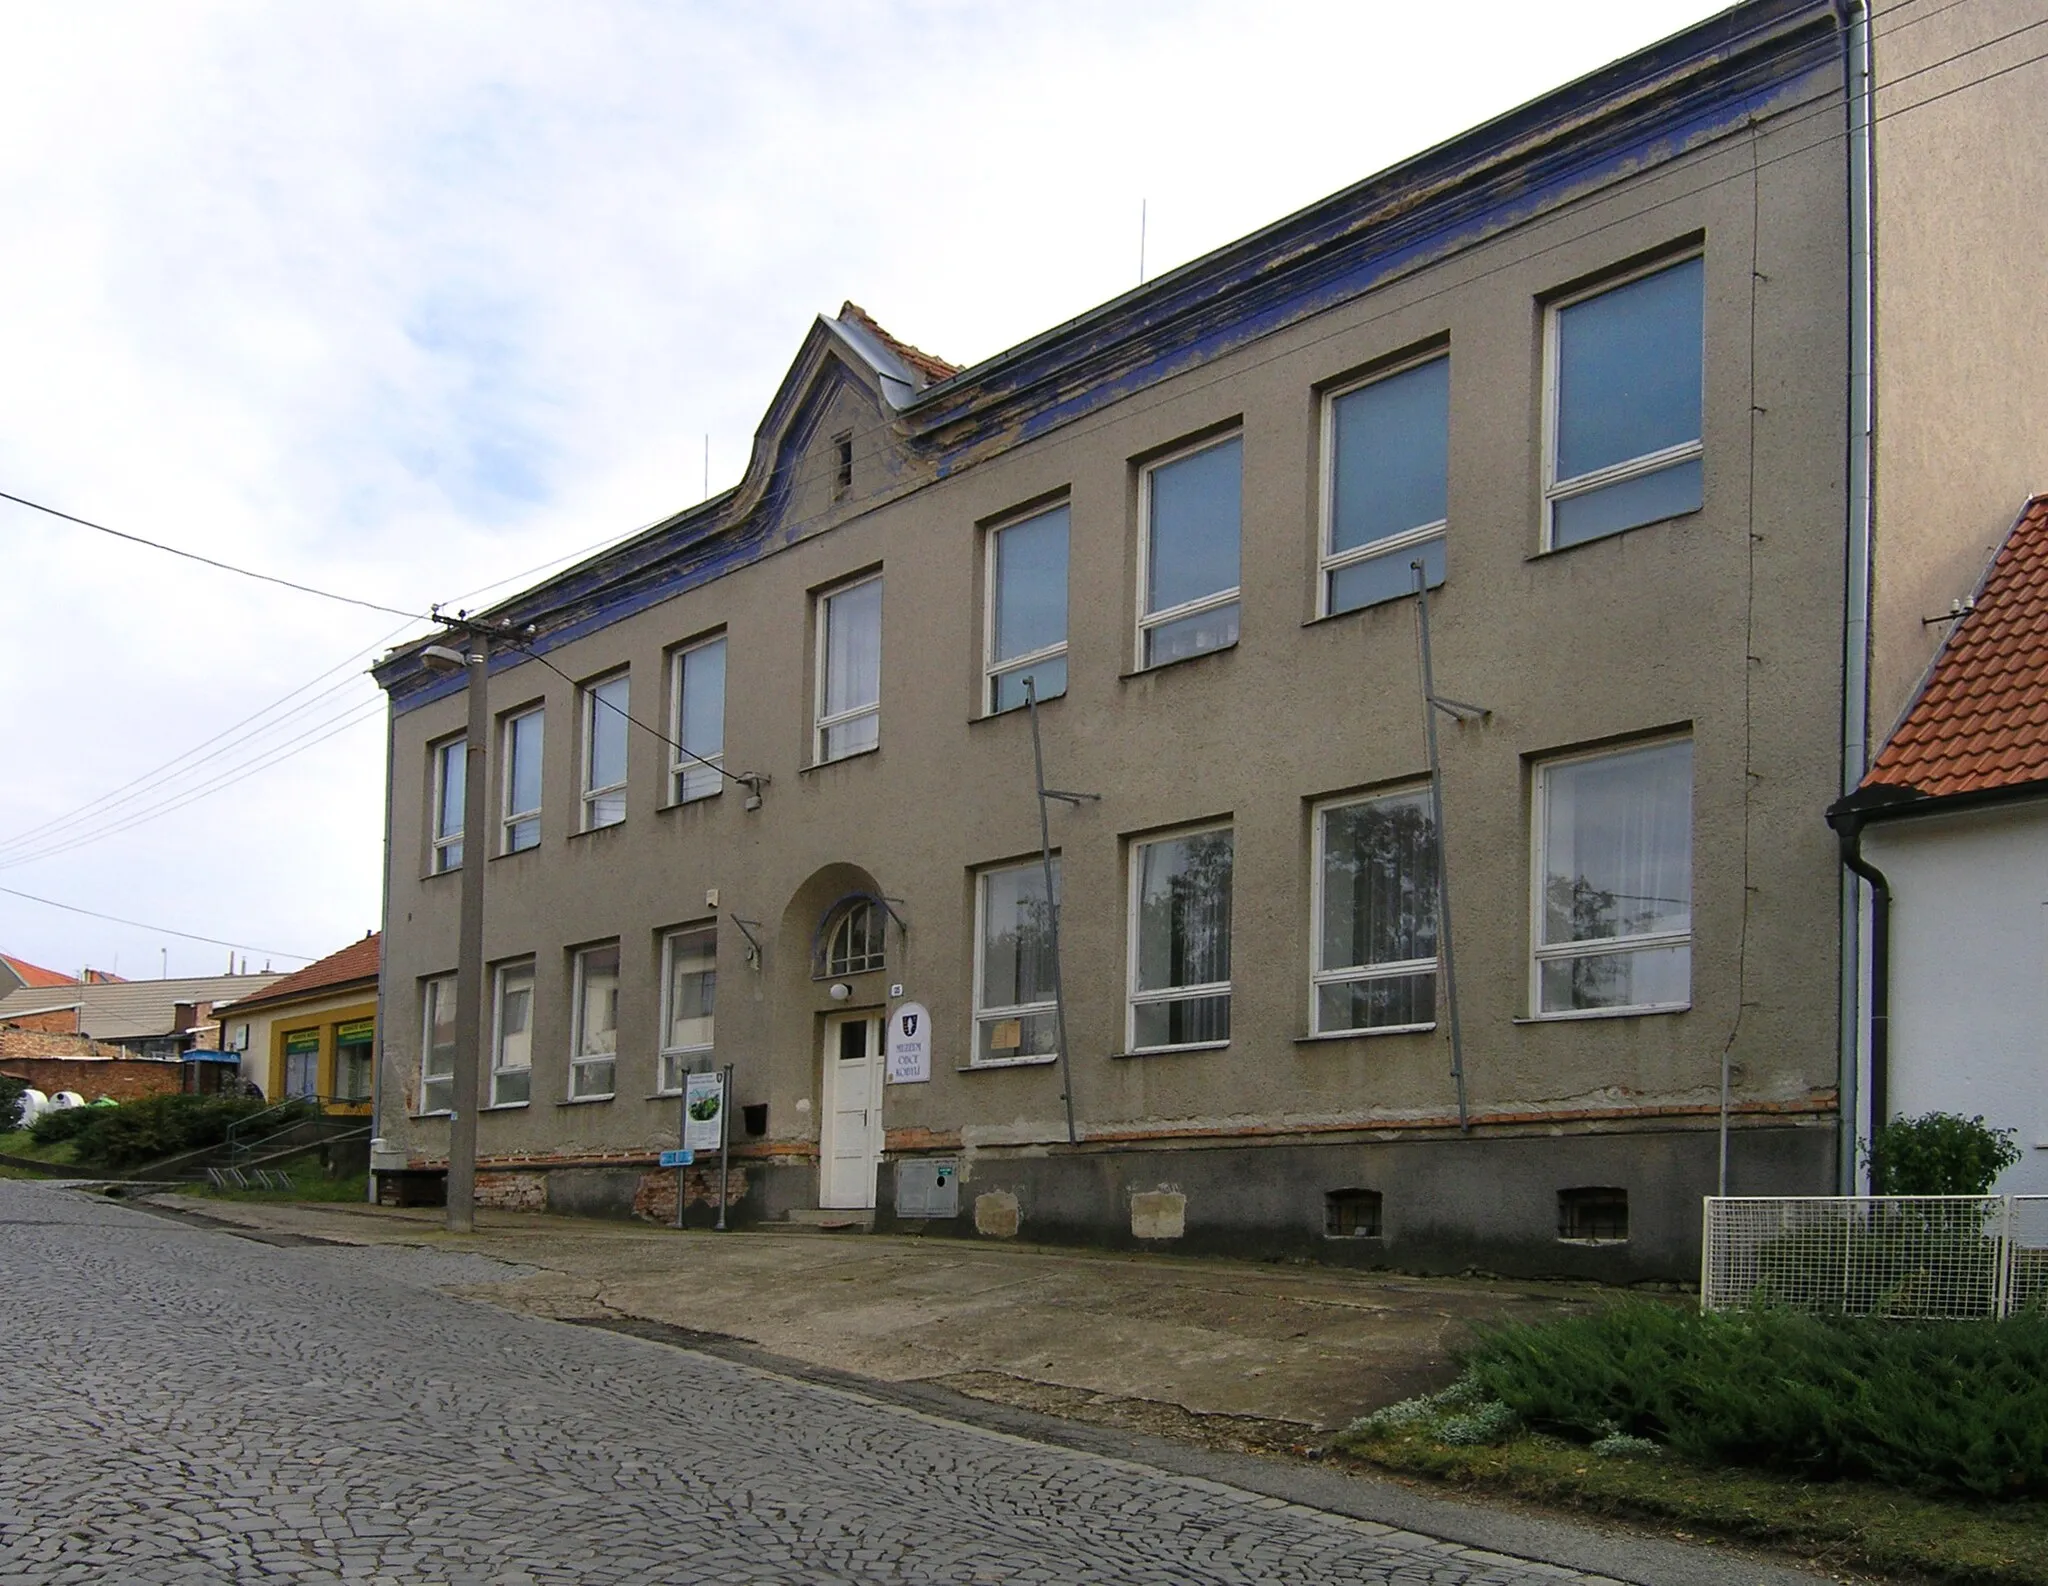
x: 689, y: 1001
x: 699, y: 725
x: 1614, y: 874
x: 1180, y: 941
x: 1014, y: 1014
x: 593, y: 1058
x: 512, y: 1035
x: 849, y: 713
x: 450, y: 761
x: 437, y: 1044
x: 1376, y: 928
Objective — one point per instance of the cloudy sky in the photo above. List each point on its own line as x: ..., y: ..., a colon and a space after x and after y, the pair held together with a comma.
x: 414, y: 301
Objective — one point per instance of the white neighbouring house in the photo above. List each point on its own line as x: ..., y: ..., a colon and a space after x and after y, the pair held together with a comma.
x: 1950, y: 832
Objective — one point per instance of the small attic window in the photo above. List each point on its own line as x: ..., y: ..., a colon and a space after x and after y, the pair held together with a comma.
x: 842, y: 472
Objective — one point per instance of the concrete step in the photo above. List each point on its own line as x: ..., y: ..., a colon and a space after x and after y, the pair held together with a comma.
x: 831, y: 1219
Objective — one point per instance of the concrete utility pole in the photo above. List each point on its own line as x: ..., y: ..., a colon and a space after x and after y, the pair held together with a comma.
x: 469, y: 964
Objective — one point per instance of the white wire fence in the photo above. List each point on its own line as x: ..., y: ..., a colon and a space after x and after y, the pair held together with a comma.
x: 1925, y: 1256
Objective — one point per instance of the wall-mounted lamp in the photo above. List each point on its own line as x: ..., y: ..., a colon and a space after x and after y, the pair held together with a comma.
x: 840, y: 991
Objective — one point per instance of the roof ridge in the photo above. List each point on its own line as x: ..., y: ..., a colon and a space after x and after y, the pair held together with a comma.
x: 934, y: 368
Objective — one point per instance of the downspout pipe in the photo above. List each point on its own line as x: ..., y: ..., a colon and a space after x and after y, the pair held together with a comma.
x: 1858, y: 86
x: 1848, y: 817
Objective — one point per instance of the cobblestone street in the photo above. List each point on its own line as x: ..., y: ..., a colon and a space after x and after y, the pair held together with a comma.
x: 185, y: 1405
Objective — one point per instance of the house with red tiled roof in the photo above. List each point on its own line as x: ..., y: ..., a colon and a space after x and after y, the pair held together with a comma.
x: 1949, y: 831
x: 18, y: 974
x: 314, y: 1032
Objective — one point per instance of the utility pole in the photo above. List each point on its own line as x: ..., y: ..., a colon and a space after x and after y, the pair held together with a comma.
x: 469, y: 964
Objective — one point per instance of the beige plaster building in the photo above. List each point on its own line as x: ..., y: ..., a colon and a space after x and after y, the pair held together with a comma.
x: 764, y: 775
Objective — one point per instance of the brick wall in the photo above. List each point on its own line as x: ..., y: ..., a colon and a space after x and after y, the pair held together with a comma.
x: 124, y: 1079
x: 61, y: 1021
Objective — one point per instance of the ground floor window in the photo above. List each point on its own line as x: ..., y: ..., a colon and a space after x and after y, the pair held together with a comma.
x: 437, y: 1045
x: 1014, y: 1013
x: 512, y: 1035
x: 302, y: 1063
x: 689, y: 999
x: 354, y: 1043
x: 1180, y: 941
x: 1376, y: 915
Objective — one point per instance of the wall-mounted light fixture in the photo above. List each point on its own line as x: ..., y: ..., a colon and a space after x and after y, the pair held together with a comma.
x: 840, y: 991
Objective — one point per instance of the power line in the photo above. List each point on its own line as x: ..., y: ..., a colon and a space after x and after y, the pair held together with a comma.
x: 160, y: 930
x: 745, y: 781
x: 208, y: 561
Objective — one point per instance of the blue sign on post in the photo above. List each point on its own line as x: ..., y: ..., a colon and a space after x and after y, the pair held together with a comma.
x: 677, y: 1158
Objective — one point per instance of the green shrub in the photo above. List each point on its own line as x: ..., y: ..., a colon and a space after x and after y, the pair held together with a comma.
x: 11, y: 1092
x: 146, y: 1131
x: 1938, y: 1153
x: 55, y: 1127
x: 1938, y: 1407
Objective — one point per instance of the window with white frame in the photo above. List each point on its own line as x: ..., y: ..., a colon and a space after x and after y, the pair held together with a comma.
x: 1387, y: 460
x: 450, y: 763
x: 853, y: 939
x: 512, y: 1035
x: 605, y: 704
x: 849, y: 716
x: 1180, y: 941
x: 522, y: 781
x: 689, y: 996
x: 1015, y: 1020
x: 594, y: 1037
x: 697, y: 714
x: 1614, y: 881
x: 437, y: 1044
x: 1626, y: 367
x: 1027, y: 609
x: 1190, y: 515
x: 1376, y: 915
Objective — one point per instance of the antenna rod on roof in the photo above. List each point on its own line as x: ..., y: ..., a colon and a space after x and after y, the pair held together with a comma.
x: 1141, y: 242
x: 707, y: 465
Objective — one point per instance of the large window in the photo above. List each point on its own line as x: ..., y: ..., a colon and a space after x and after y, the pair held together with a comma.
x: 849, y: 717
x: 437, y: 1044
x: 594, y: 1049
x: 301, y: 1063
x: 1180, y: 941
x: 1376, y: 916
x: 522, y: 781
x: 1188, y: 559
x: 689, y: 996
x: 1614, y: 881
x: 1027, y: 609
x: 1014, y: 1015
x: 1626, y: 374
x: 605, y: 705
x: 512, y: 1035
x: 697, y: 714
x: 449, y: 763
x: 1387, y: 445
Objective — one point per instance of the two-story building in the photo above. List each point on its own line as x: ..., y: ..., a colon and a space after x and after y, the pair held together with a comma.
x: 1597, y: 373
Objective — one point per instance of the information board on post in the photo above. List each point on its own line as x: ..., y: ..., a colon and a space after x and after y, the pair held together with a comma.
x: 908, y: 1045
x: 703, y: 1112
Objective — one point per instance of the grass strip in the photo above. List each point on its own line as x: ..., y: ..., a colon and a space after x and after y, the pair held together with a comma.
x: 1842, y: 1523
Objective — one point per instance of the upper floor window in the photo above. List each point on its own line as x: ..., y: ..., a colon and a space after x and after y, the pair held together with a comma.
x: 1387, y: 446
x: 1626, y: 373
x: 1180, y: 941
x: 522, y: 781
x: 1376, y: 915
x: 689, y: 996
x: 593, y: 1055
x: 1014, y: 1011
x: 450, y: 759
x: 849, y: 718
x: 512, y: 1035
x: 853, y: 938
x: 698, y: 684
x: 1614, y: 881
x: 1190, y: 521
x: 1027, y: 609
x: 604, y: 750
x: 437, y: 1044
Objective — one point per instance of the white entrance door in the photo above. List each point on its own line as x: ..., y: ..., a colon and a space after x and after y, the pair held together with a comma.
x: 853, y: 1110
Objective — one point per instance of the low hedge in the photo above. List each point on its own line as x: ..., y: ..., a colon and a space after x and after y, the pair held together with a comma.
x: 1934, y: 1407
x: 140, y: 1132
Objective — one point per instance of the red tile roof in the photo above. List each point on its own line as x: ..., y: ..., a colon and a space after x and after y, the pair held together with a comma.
x: 357, y: 961
x: 31, y: 975
x: 1981, y: 720
x: 923, y: 362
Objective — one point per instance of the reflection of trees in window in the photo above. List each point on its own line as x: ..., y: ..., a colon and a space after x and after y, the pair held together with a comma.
x: 1377, y: 945
x: 1183, y: 939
